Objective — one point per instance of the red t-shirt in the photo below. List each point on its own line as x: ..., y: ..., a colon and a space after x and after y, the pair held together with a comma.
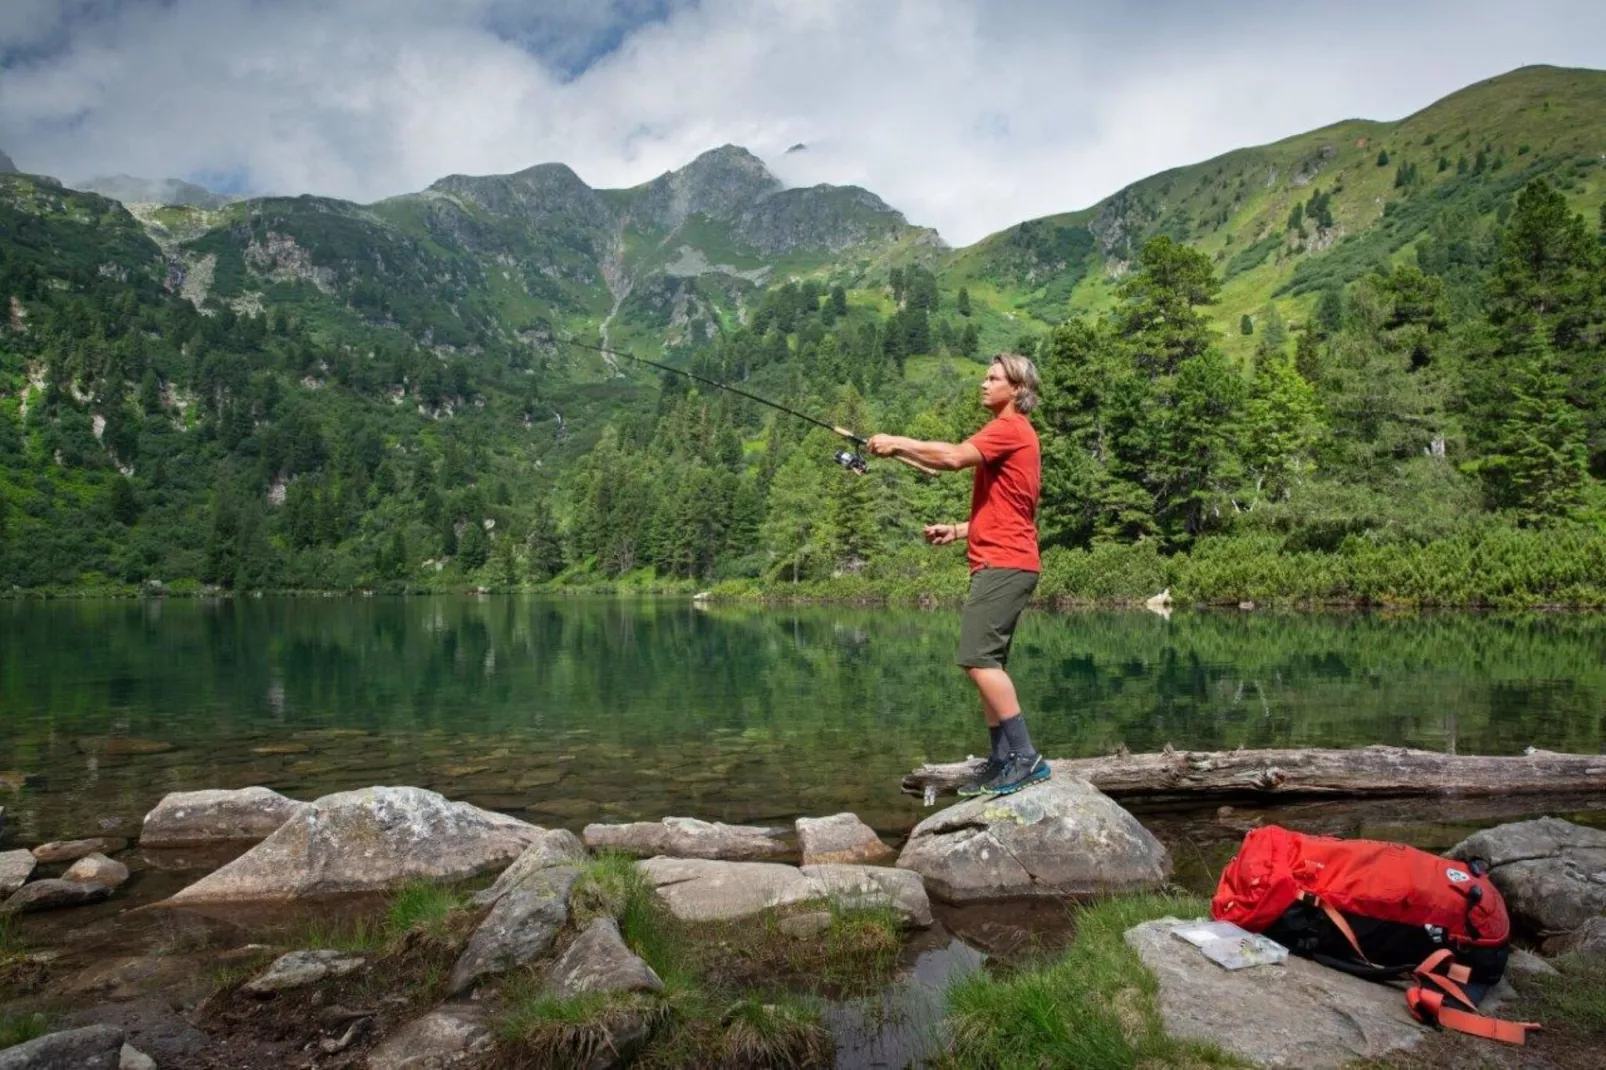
x: 1003, y: 499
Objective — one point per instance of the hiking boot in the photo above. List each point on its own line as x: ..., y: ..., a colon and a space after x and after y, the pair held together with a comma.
x: 1020, y: 771
x: 989, y: 769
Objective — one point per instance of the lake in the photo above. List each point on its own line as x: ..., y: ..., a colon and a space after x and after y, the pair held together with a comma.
x: 566, y: 711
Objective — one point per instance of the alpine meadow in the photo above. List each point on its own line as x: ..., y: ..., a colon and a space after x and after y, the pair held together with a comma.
x: 1363, y: 365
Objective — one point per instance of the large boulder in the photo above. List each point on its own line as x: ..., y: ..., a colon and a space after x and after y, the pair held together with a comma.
x: 204, y: 818
x: 1552, y: 873
x: 599, y: 961
x: 840, y: 838
x: 52, y: 895
x: 374, y: 839
x: 452, y: 1036
x: 687, y: 837
x: 529, y: 909
x: 1063, y: 837
x: 1297, y: 1014
x: 95, y: 1047
x: 702, y: 889
x: 15, y: 869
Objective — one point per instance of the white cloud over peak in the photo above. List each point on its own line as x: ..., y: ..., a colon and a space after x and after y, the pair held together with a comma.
x: 967, y: 115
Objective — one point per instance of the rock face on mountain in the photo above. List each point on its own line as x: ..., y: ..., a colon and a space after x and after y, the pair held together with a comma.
x: 6, y: 166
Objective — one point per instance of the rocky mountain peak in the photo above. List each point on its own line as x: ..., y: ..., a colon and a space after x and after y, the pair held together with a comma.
x: 169, y: 191
x: 6, y: 166
x: 721, y: 184
x: 543, y: 191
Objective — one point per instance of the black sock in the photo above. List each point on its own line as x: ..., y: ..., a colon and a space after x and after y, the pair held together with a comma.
x: 1016, y: 737
x: 1000, y: 743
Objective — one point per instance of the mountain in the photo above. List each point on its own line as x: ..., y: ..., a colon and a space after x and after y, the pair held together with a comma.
x: 1285, y: 221
x: 6, y: 166
x: 166, y: 191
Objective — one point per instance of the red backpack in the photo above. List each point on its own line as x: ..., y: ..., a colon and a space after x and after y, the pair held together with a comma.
x: 1378, y: 910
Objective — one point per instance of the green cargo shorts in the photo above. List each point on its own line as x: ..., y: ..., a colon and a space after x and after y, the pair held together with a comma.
x: 987, y: 623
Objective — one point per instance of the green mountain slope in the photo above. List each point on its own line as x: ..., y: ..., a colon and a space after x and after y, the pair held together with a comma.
x: 1385, y: 186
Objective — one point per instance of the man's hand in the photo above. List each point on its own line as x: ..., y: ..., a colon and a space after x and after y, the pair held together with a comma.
x: 882, y: 445
x: 941, y: 534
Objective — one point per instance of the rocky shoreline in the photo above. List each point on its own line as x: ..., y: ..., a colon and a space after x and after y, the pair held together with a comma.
x: 506, y: 940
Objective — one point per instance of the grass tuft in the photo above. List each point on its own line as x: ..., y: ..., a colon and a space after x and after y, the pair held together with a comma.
x: 547, y: 1032
x: 1091, y: 1008
x: 21, y: 1028
x: 422, y: 907
x: 783, y: 1034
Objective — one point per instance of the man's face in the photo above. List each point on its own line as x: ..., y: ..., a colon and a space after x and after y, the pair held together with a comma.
x: 996, y: 390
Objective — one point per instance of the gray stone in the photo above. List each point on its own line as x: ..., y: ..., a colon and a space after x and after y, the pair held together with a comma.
x: 301, y: 968
x: 149, y: 1024
x: 599, y: 961
x: 687, y: 837
x: 53, y: 894
x: 450, y: 1037
x: 1526, y: 962
x: 803, y: 925
x: 375, y: 839
x: 840, y: 838
x: 1297, y: 1014
x: 701, y: 889
x: 1588, y: 939
x: 15, y: 869
x: 95, y: 1047
x: 859, y: 887
x: 97, y: 869
x: 520, y: 927
x: 1059, y: 838
x: 553, y: 847
x: 73, y: 850
x: 1552, y: 873
x: 204, y: 818
x: 131, y: 1058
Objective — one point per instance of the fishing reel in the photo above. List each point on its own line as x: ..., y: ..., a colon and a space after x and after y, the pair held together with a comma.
x: 853, y: 462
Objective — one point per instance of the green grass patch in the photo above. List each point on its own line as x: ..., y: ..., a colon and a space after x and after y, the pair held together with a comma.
x: 20, y: 1028
x: 1574, y: 1001
x: 1091, y: 1008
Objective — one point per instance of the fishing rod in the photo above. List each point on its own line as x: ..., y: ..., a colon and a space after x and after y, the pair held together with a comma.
x: 852, y: 460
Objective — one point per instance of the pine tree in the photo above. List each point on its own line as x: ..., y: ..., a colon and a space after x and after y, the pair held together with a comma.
x: 1246, y: 326
x: 962, y: 302
x: 970, y: 340
x: 474, y: 547
x: 1383, y: 158
x: 1296, y: 218
x: 1273, y: 332
x: 1158, y: 312
x: 545, y: 548
x: 1330, y: 310
x: 1281, y: 426
x: 839, y: 300
x: 122, y: 502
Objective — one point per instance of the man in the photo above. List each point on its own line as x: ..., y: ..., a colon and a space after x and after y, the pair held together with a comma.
x: 1001, y: 543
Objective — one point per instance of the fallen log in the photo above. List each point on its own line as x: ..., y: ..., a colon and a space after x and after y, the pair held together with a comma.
x: 1362, y: 772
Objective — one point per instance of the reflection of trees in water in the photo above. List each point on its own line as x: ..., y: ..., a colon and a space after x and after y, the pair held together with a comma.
x: 650, y: 673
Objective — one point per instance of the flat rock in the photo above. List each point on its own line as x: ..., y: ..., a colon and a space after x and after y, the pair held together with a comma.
x: 15, y: 869
x: 687, y: 837
x: 95, y: 1047
x: 521, y: 926
x: 1297, y: 1014
x: 860, y: 887
x: 301, y: 968
x: 150, y: 1025
x: 53, y: 894
x: 703, y: 889
x: 73, y: 850
x: 840, y: 838
x: 204, y: 818
x: 1588, y: 939
x: 1063, y: 837
x: 374, y: 839
x: 553, y: 847
x: 1526, y: 962
x: 96, y: 868
x: 131, y: 1058
x: 599, y: 961
x: 1552, y: 873
x: 450, y: 1037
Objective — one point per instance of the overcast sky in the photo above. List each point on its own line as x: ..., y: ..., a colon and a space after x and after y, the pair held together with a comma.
x: 966, y: 115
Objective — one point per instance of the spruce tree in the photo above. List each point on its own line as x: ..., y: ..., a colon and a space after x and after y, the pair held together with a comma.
x: 1538, y: 456
x: 1246, y: 326
x: 962, y: 302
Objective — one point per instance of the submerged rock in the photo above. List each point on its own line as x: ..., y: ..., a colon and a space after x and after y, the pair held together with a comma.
x: 95, y: 1047
x: 839, y: 838
x: 73, y: 850
x: 1552, y: 873
x: 301, y: 968
x: 1063, y: 837
x: 1297, y: 1014
x: 15, y: 869
x: 687, y: 837
x: 96, y: 868
x: 374, y: 839
x: 53, y: 894
x: 599, y: 961
x: 529, y: 909
x: 203, y: 818
x: 450, y: 1037
x: 861, y: 887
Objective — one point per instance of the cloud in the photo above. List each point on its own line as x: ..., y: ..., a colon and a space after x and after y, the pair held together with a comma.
x: 968, y: 115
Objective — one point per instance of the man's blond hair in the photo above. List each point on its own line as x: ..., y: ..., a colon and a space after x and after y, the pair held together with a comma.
x: 1022, y: 375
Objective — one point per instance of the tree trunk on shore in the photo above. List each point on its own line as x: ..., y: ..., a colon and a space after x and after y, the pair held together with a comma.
x: 1363, y: 772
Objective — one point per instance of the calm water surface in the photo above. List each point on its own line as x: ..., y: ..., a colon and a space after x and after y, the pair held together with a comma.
x: 568, y: 711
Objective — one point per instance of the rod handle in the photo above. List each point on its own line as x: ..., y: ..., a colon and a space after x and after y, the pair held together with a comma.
x: 916, y: 465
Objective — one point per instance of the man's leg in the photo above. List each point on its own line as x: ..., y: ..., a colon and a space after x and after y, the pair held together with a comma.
x: 987, y: 626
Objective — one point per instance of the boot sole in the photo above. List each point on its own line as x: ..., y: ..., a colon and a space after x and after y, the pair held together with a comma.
x: 1035, y: 778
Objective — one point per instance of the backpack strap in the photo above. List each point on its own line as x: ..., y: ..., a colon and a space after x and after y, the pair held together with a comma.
x: 1427, y: 1003
x: 1340, y: 923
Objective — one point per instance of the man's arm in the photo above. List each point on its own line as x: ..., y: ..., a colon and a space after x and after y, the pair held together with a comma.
x: 943, y: 456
